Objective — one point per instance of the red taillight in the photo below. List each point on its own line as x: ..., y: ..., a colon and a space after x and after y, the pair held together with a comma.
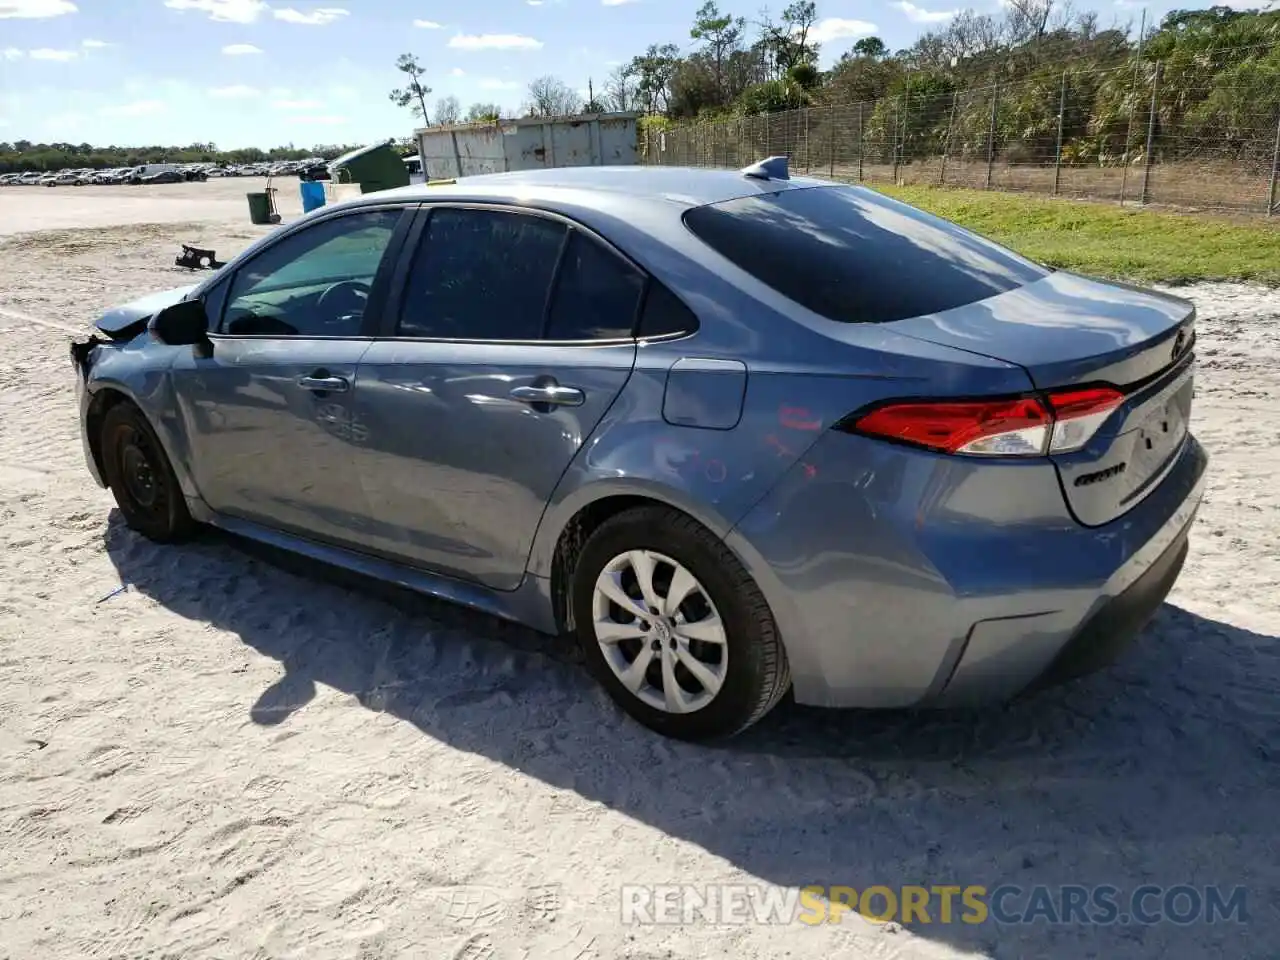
x: 1019, y: 427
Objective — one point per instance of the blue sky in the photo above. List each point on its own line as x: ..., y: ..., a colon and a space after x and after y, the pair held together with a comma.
x: 268, y: 72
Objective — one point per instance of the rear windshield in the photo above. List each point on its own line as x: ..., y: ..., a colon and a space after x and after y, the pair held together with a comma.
x: 856, y: 258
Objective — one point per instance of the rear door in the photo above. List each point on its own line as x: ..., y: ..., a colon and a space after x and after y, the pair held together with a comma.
x: 510, y: 339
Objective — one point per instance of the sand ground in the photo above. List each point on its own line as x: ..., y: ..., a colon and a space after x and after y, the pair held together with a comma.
x: 239, y: 757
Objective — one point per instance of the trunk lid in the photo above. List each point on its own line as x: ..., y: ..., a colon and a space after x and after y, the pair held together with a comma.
x: 1065, y: 331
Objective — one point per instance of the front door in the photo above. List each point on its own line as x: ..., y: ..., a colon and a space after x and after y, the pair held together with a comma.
x: 513, y: 337
x: 269, y: 411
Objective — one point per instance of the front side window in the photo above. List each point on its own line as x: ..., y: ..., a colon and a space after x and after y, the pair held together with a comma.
x: 858, y: 258
x: 313, y: 283
x: 481, y: 275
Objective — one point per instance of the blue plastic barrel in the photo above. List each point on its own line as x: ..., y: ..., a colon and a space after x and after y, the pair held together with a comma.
x: 312, y: 195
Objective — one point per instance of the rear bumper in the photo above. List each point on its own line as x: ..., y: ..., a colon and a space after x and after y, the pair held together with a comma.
x: 915, y: 580
x: 1105, y: 635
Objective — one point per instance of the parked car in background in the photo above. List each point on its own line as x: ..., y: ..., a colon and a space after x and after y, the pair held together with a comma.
x: 314, y: 171
x: 739, y: 433
x: 139, y: 173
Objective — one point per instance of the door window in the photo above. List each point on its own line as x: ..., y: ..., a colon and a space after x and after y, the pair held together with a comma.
x: 481, y: 275
x: 597, y: 293
x: 313, y: 283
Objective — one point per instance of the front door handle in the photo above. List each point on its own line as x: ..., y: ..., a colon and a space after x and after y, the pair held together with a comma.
x: 550, y: 393
x: 325, y: 384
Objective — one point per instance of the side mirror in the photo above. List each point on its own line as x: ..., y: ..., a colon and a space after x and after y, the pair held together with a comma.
x: 181, y: 324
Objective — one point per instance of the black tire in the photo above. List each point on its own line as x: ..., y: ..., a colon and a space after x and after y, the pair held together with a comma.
x: 141, y: 478
x: 757, y: 675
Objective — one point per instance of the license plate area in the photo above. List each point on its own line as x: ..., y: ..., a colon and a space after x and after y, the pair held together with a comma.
x: 1158, y: 436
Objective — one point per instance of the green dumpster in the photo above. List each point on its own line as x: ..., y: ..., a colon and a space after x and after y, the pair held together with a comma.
x: 262, y: 207
x: 375, y: 167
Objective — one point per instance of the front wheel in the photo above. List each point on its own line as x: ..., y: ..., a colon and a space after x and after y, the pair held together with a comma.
x: 141, y: 478
x: 674, y: 627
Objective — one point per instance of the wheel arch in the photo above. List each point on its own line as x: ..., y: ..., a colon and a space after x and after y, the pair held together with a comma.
x: 154, y: 403
x: 570, y: 523
x: 102, y: 401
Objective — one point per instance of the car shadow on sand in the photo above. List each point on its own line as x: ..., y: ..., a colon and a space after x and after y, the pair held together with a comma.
x: 1158, y: 771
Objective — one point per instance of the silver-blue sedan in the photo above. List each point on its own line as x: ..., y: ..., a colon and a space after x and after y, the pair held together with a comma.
x: 738, y: 433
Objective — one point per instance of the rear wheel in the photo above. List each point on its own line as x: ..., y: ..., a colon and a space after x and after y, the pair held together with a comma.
x: 674, y: 627
x: 141, y: 478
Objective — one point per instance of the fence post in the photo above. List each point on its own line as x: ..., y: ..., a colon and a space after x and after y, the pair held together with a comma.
x: 991, y: 132
x: 897, y: 137
x: 1151, y: 135
x: 808, y: 154
x: 859, y: 141
x: 946, y: 147
x: 831, y: 121
x: 1275, y: 172
x: 1057, y: 150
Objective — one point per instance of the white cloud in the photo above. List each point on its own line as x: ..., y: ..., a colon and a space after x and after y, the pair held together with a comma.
x: 224, y: 11
x: 94, y: 44
x: 457, y: 72
x: 316, y: 18
x: 237, y: 91
x: 44, y: 53
x: 140, y: 108
x: 297, y: 104
x: 35, y: 9
x: 327, y: 119
x: 240, y: 49
x: 427, y: 25
x: 494, y: 41
x: 836, y: 28
x: 490, y: 83
x: 616, y: 3
x: 534, y: 3
x: 921, y: 15
x: 11, y: 53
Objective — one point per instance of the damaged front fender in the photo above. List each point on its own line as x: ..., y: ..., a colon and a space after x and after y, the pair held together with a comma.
x: 82, y: 354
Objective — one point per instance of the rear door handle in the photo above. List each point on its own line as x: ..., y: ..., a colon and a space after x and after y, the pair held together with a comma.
x: 550, y: 393
x: 325, y: 384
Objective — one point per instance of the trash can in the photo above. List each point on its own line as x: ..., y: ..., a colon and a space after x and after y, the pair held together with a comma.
x: 312, y: 195
x: 261, y: 208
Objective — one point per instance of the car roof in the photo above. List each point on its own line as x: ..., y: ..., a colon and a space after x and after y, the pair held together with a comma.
x: 683, y: 186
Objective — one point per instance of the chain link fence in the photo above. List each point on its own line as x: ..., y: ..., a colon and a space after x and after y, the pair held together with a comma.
x: 1171, y: 134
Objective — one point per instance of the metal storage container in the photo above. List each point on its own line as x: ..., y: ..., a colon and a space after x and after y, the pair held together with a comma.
x: 375, y: 167
x: 467, y: 149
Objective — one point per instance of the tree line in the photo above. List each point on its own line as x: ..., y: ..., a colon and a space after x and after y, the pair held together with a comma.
x: 1219, y: 78
x: 1219, y: 75
x: 21, y: 156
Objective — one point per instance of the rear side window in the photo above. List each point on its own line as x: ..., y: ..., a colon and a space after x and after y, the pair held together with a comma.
x: 664, y: 314
x: 857, y: 258
x: 597, y: 293
x: 481, y: 275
